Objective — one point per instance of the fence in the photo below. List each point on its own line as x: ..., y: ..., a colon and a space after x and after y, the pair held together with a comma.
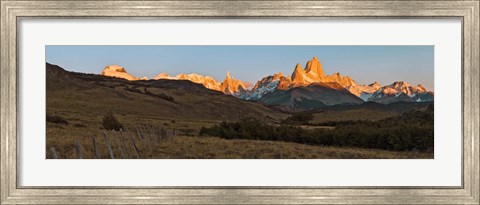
x: 122, y: 144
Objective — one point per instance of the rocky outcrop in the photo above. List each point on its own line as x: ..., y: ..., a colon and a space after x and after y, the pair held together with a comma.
x: 231, y: 85
x: 299, y: 76
x: 118, y: 72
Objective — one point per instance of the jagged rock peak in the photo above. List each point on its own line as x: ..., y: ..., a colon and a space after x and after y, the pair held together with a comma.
x: 118, y: 72
x: 420, y: 87
x: 298, y: 75
x: 400, y: 83
x: 314, y: 68
x: 231, y: 85
x: 375, y: 84
x: 278, y: 75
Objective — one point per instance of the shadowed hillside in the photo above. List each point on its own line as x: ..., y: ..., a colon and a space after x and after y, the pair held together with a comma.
x: 169, y: 99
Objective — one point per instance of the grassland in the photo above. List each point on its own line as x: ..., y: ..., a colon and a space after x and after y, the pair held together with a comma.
x: 187, y: 144
x: 63, y: 138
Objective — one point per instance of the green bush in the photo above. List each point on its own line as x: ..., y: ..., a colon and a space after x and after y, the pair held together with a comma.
x: 110, y: 122
x: 299, y: 118
x: 410, y: 131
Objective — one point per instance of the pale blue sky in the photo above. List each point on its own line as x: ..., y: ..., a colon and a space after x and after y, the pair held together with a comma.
x: 365, y: 64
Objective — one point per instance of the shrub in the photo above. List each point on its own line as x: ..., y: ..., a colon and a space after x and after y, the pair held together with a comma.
x: 110, y: 122
x: 410, y: 131
x: 298, y: 118
x: 56, y: 119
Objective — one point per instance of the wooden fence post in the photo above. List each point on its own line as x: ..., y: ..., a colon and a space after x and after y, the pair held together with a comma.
x: 160, y: 133
x: 97, y: 153
x: 138, y: 133
x: 54, y: 154
x: 79, y: 149
x: 125, y: 147
x: 134, y: 145
x: 147, y: 132
x: 144, y: 138
x: 156, y: 132
x: 164, y: 133
x: 109, y: 146
x: 118, y: 144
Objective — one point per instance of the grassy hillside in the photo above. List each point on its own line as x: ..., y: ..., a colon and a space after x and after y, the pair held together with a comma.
x: 87, y: 97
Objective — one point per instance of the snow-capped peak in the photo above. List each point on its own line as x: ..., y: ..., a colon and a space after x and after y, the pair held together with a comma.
x: 267, y: 85
x: 404, y: 87
x: 403, y: 91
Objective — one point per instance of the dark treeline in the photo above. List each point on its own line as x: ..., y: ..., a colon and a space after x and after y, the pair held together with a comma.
x: 410, y: 131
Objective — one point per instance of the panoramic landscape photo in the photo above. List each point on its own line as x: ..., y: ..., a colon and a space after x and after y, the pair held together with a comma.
x: 239, y: 102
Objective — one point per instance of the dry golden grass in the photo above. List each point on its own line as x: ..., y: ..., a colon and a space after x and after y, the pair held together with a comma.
x: 63, y: 138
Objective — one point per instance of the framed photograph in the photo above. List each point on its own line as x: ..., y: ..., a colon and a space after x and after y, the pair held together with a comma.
x: 240, y: 102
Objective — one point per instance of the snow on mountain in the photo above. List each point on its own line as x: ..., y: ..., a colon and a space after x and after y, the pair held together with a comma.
x: 363, y: 90
x: 424, y: 97
x: 401, y: 91
x: 267, y: 85
x: 206, y: 81
x: 119, y: 72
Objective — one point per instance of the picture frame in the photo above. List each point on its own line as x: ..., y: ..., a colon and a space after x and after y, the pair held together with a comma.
x: 12, y: 11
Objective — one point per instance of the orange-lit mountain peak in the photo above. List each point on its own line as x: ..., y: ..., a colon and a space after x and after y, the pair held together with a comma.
x: 119, y: 72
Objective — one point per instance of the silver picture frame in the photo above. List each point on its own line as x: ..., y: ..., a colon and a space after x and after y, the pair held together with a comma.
x: 12, y: 11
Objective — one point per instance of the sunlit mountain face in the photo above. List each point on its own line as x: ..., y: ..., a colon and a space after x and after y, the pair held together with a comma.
x: 308, y: 87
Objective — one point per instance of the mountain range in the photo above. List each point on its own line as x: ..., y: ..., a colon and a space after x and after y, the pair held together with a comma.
x: 307, y: 88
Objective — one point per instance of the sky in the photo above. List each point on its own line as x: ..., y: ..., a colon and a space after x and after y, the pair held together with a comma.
x: 365, y: 64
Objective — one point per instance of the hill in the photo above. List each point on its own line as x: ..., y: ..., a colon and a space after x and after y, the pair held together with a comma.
x: 95, y: 95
